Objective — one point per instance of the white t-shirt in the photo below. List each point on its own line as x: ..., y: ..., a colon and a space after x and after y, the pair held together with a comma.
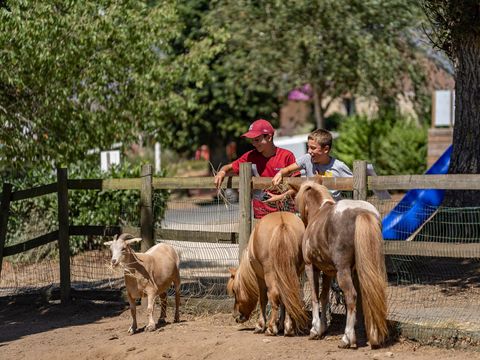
x: 335, y: 168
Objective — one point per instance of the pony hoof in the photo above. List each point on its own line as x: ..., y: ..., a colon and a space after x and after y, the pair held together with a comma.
x: 375, y: 346
x: 270, y: 332
x: 289, y: 333
x: 258, y: 330
x: 342, y: 345
x: 150, y: 328
x: 314, y: 335
x: 177, y: 319
x: 132, y: 330
x: 161, y: 322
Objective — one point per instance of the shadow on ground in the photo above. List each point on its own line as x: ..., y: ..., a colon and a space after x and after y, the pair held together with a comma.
x: 27, y: 315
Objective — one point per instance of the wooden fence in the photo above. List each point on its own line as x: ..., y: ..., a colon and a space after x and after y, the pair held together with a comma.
x: 146, y: 184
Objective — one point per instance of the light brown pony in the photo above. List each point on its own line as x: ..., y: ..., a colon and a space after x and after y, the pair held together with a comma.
x: 269, y: 270
x: 340, y: 238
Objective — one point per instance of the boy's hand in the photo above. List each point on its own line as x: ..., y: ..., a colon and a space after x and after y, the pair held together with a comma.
x: 274, y: 198
x: 277, y: 179
x: 219, y: 178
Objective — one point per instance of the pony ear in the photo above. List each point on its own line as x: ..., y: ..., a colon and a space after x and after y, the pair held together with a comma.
x: 232, y: 271
x: 132, y: 241
x: 318, y: 179
x: 294, y: 186
x: 108, y: 243
x: 115, y: 237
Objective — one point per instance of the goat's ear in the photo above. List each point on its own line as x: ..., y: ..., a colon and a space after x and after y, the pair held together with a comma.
x: 133, y: 241
x: 115, y: 237
x: 108, y: 243
x: 232, y: 271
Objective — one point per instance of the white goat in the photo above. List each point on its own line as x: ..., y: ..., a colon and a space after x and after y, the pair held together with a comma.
x: 147, y: 274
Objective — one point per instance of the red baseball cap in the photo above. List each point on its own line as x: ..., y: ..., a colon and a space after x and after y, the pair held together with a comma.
x: 259, y: 127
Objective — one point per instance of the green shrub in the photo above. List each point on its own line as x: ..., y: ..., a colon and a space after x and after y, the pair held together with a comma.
x: 33, y: 217
x: 403, y: 150
x: 394, y: 145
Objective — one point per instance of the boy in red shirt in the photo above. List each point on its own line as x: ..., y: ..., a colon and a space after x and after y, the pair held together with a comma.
x: 266, y: 159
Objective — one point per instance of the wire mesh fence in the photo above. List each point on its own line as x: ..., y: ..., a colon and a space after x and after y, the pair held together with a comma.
x: 430, y: 297
x: 201, y: 214
x: 20, y: 276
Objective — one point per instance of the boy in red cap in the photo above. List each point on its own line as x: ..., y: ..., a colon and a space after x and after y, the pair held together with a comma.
x: 267, y: 160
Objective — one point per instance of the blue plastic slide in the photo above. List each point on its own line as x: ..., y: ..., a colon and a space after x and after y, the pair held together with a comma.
x: 416, y: 206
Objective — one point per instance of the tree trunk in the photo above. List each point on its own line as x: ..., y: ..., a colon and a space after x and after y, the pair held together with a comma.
x: 317, y: 108
x: 466, y: 133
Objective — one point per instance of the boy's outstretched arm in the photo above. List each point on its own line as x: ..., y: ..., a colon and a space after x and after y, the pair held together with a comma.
x: 286, y: 171
x: 274, y: 197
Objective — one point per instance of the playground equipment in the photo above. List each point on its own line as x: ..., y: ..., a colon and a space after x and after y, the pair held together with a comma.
x: 416, y: 206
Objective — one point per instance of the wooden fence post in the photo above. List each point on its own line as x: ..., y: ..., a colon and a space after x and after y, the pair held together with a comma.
x: 245, y: 204
x: 360, y: 180
x: 63, y: 235
x: 4, y: 214
x: 359, y: 193
x: 146, y: 208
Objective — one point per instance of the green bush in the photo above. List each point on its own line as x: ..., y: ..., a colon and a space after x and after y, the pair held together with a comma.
x: 394, y: 145
x: 33, y: 217
x: 403, y: 150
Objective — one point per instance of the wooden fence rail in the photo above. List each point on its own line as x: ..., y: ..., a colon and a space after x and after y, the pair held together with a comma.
x: 31, y: 244
x: 146, y: 185
x: 34, y: 192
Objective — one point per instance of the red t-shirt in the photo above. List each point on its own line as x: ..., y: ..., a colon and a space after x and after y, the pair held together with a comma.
x: 265, y: 167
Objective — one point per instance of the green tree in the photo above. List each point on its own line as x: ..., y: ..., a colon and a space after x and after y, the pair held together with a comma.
x: 456, y: 30
x: 229, y: 98
x: 340, y: 48
x: 77, y: 75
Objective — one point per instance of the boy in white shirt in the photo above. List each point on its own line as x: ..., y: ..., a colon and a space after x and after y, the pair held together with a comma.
x: 317, y: 161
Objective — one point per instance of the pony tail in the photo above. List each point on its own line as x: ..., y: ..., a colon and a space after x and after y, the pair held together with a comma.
x: 370, y: 265
x: 245, y: 281
x: 285, y: 270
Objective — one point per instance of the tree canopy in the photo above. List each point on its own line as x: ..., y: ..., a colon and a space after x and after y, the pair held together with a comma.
x: 77, y: 75
x: 340, y: 48
x: 82, y: 75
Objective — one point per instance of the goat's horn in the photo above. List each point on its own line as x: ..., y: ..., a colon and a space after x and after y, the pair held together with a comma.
x: 134, y: 240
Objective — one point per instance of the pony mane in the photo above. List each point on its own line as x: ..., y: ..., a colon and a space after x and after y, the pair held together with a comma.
x: 230, y: 286
x: 245, y: 282
x: 301, y: 198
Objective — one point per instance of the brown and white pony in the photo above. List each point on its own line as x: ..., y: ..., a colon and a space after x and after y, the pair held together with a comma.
x: 341, y: 238
x: 269, y: 270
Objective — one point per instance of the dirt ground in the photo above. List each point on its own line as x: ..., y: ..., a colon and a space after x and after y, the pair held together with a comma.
x: 98, y: 330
